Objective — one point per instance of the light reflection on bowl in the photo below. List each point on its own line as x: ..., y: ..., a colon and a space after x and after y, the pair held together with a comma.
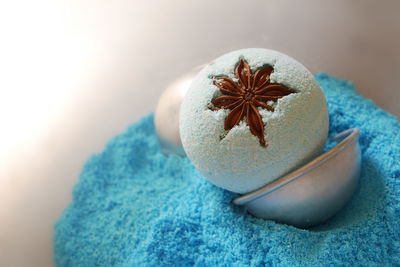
x: 314, y: 192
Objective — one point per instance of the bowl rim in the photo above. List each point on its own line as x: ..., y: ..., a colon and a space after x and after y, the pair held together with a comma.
x: 350, y: 136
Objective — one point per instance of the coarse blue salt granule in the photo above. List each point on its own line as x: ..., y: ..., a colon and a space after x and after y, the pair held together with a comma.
x: 239, y: 160
x: 134, y: 206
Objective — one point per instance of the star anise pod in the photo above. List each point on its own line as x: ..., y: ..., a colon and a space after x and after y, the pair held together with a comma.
x: 244, y: 98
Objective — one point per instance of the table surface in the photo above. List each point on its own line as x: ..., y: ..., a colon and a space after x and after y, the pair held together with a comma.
x: 75, y: 73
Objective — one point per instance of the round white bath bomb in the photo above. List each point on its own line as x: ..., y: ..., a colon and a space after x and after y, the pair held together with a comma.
x: 237, y: 158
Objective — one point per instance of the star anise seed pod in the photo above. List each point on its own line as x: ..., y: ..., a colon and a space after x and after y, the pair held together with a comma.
x: 244, y: 98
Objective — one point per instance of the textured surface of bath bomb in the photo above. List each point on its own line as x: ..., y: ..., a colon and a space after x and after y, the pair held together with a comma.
x: 234, y: 158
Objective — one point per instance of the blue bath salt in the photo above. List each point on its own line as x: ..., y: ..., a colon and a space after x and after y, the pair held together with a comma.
x: 135, y: 206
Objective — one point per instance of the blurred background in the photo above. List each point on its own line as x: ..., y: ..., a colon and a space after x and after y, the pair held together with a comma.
x: 75, y: 73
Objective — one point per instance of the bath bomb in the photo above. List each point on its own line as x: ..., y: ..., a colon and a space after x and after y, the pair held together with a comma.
x: 250, y: 117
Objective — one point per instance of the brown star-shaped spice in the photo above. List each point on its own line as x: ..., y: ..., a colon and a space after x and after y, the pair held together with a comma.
x: 243, y: 98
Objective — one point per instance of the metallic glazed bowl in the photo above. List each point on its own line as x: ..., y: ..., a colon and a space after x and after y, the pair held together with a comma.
x: 304, y: 197
x: 166, y: 115
x: 314, y: 192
